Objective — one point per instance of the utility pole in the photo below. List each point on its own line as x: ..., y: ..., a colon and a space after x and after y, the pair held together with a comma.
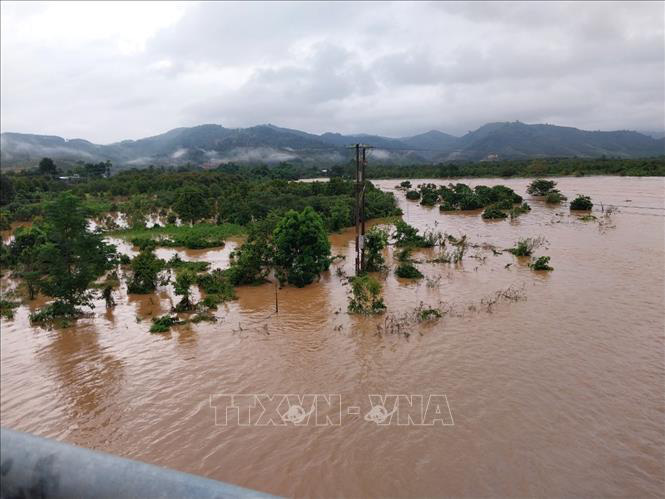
x: 359, y: 211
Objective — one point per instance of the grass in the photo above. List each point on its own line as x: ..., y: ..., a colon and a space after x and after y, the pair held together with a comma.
x: 194, y: 237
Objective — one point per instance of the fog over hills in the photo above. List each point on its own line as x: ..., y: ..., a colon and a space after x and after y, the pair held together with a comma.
x: 213, y: 144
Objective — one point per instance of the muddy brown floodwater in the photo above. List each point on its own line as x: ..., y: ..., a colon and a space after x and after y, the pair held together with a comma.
x: 558, y: 394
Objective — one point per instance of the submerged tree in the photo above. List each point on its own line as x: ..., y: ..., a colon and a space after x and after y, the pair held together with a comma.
x: 376, y: 240
x: 302, y: 249
x: 184, y: 280
x: 541, y: 187
x: 69, y: 257
x: 145, y: 272
x: 365, y: 295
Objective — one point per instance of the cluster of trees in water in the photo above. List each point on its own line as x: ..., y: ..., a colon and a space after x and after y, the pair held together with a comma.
x: 285, y: 222
x: 59, y: 255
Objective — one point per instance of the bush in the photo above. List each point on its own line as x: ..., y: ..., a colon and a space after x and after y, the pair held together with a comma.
x: 493, y: 213
x: 376, y: 240
x: 554, y: 197
x: 541, y: 263
x: 519, y: 210
x: 412, y: 195
x: 407, y: 270
x: 7, y: 308
x: 217, y: 286
x: 406, y: 184
x: 581, y: 203
x: 525, y: 247
x: 470, y: 202
x: 446, y: 206
x: 366, y: 295
x: 540, y: 187
x: 145, y: 272
x: 163, y: 324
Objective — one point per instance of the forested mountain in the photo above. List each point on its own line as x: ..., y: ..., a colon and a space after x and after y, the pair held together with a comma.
x: 214, y: 144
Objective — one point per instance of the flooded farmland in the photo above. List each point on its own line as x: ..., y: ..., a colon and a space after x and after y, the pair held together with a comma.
x: 554, y: 388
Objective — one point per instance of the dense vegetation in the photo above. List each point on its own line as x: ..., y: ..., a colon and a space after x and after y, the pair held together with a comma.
x: 516, y: 168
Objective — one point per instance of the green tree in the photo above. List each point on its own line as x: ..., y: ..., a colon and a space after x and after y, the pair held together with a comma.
x: 184, y: 280
x: 302, y: 249
x: 376, y: 240
x: 541, y: 187
x: 340, y: 215
x: 581, y: 203
x: 365, y: 296
x: 192, y: 203
x: 145, y: 272
x: 23, y: 252
x: 71, y: 257
x: 6, y: 190
x: 47, y: 167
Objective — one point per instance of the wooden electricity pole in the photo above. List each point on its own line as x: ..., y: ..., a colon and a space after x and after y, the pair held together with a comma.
x: 359, y: 210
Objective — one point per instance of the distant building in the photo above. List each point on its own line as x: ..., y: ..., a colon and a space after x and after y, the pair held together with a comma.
x: 492, y: 157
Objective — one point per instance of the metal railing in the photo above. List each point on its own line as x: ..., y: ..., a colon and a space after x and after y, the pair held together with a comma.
x: 32, y: 466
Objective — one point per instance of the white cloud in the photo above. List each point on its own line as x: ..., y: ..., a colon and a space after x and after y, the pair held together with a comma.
x: 107, y: 71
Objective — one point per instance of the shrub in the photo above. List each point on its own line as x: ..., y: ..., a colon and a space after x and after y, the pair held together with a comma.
x: 540, y: 187
x: 406, y: 184
x: 429, y: 198
x: 493, y: 213
x: 581, y: 203
x: 376, y: 240
x: 145, y: 272
x: 407, y: 270
x: 217, y: 286
x: 554, y: 197
x: 470, y: 202
x: 7, y: 308
x: 163, y: 324
x: 184, y: 280
x: 446, y: 206
x: 366, y: 295
x: 541, y: 263
x: 407, y: 235
x: 412, y: 195
x: 518, y: 210
x: 525, y: 247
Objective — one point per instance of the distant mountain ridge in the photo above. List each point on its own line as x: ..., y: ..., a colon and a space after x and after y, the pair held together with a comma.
x: 213, y: 144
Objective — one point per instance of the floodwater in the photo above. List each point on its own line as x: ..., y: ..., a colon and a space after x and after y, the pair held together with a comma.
x: 556, y: 392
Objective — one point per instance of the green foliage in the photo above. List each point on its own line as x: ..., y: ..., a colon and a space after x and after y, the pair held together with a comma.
x: 407, y: 235
x: 217, y: 286
x: 365, y: 296
x: 7, y: 308
x: 412, y: 195
x: 47, y: 167
x: 554, y: 197
x: 526, y: 246
x: 185, y: 278
x: 408, y: 271
x: 541, y: 187
x: 376, y: 240
x: 428, y: 313
x: 145, y: 272
x: 519, y: 210
x: 581, y: 203
x: 340, y: 215
x: 7, y: 191
x: 405, y: 185
x: 5, y: 220
x: 541, y: 263
x: 251, y: 263
x: 163, y: 324
x: 193, y: 237
x: 302, y: 249
x: 60, y: 257
x: 493, y: 213
x: 178, y: 263
x: 192, y: 203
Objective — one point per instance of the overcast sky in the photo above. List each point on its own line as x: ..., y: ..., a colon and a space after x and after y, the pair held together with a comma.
x: 112, y: 71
